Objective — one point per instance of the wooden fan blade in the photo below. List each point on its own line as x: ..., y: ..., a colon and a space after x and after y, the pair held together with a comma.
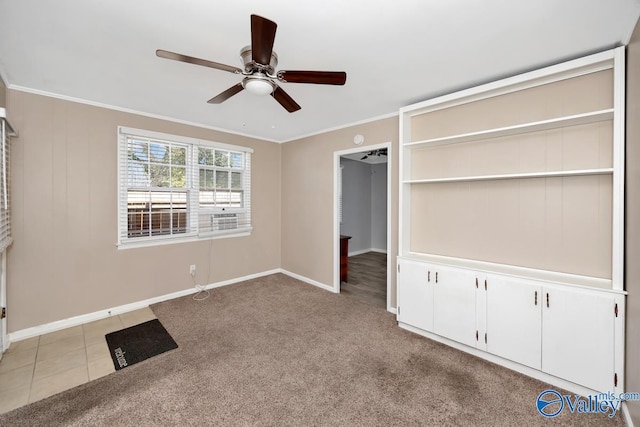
x: 192, y: 60
x: 218, y: 99
x: 263, y: 33
x: 285, y: 100
x: 317, y: 77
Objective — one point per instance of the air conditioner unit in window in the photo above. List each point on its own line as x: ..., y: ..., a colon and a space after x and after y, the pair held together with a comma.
x: 224, y: 221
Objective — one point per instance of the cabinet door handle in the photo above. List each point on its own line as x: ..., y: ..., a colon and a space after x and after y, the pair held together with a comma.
x: 428, y: 276
x: 535, y: 299
x: 476, y: 283
x: 547, y: 299
x: 436, y: 277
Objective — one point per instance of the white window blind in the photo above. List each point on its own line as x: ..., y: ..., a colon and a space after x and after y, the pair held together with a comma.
x: 5, y: 182
x: 173, y: 187
x: 224, y: 178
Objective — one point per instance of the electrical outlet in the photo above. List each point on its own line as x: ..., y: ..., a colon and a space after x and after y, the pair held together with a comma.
x: 192, y: 269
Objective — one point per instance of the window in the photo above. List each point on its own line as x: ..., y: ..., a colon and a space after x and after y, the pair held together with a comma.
x: 5, y: 206
x: 174, y: 188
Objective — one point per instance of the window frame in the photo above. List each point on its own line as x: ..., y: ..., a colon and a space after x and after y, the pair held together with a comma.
x: 196, y: 212
x: 6, y: 132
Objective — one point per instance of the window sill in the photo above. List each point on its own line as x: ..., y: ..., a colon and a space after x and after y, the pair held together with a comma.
x: 187, y: 239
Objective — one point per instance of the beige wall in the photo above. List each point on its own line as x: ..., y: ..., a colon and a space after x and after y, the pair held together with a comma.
x: 632, y: 231
x: 554, y: 224
x: 64, y: 261
x: 307, y: 197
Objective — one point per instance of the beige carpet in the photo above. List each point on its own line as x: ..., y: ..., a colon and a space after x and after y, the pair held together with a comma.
x: 277, y: 352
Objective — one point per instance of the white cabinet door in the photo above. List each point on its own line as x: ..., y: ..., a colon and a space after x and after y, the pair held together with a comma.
x: 454, y: 314
x: 514, y: 324
x: 415, y: 294
x: 578, y: 337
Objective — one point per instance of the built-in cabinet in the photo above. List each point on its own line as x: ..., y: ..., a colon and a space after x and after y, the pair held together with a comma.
x: 520, y: 338
x: 454, y: 313
x: 561, y: 331
x: 415, y: 294
x: 437, y: 299
x: 511, y: 220
x: 578, y: 339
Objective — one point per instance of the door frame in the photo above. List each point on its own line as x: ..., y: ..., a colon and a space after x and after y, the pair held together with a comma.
x: 336, y: 213
x: 4, y: 340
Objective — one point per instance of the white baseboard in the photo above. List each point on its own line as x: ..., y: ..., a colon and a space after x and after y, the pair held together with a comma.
x: 241, y: 279
x: 359, y: 252
x: 331, y: 289
x: 626, y: 415
x: 364, y: 251
x: 102, y: 314
x: 309, y: 281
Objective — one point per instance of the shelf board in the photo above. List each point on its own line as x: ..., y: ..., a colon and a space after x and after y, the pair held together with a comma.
x: 552, y: 278
x: 578, y: 119
x: 553, y: 174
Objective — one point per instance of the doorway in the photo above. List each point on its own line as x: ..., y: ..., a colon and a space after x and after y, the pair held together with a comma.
x: 362, y: 216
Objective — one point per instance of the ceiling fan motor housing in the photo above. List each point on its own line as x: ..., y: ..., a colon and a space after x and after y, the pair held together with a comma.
x: 250, y: 65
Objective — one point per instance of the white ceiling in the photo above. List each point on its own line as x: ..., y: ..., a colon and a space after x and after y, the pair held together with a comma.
x: 395, y: 53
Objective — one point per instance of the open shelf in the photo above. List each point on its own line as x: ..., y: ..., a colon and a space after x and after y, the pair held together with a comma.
x: 574, y: 121
x: 553, y: 174
x: 561, y: 122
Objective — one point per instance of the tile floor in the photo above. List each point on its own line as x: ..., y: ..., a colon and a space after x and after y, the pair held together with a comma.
x: 41, y: 366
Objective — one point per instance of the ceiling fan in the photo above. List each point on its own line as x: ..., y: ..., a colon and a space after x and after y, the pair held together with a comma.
x: 260, y: 68
x: 378, y: 153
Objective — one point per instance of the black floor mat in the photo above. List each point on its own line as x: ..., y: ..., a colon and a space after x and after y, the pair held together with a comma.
x: 137, y: 343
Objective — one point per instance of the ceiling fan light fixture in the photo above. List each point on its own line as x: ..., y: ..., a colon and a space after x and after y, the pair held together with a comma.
x: 258, y: 85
